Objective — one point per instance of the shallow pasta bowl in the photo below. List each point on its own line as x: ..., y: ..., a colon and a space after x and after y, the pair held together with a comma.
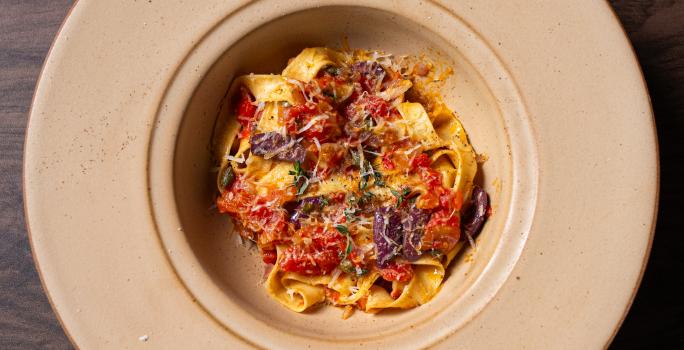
x: 120, y: 136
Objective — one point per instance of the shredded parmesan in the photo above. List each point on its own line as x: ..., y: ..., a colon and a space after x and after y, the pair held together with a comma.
x: 373, y: 153
x: 318, y: 144
x: 471, y: 241
x: 291, y: 293
x: 333, y: 277
x: 300, y: 85
x: 413, y: 149
x: 235, y: 159
x: 312, y: 122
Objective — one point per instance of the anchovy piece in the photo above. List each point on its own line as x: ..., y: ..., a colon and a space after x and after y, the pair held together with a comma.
x: 476, y: 215
x: 414, y: 226
x: 274, y: 145
x: 387, y: 235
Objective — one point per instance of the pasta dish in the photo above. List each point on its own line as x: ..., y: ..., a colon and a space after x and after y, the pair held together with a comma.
x: 352, y: 178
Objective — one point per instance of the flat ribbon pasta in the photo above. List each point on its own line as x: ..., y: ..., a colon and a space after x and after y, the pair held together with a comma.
x: 436, y: 134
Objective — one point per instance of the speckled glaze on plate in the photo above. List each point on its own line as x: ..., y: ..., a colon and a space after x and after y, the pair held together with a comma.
x: 118, y: 184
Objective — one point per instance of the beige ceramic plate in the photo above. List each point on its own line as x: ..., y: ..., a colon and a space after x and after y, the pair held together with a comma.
x: 118, y: 182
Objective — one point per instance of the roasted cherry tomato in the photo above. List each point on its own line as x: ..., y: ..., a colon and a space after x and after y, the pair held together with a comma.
x: 397, y: 271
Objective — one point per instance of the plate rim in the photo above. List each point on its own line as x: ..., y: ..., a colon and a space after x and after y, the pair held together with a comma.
x: 633, y: 59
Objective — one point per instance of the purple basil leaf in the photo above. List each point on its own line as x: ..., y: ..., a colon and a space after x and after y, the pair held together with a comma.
x: 304, y: 208
x: 278, y: 146
x: 414, y: 226
x: 387, y: 235
x: 372, y: 72
x: 477, y: 213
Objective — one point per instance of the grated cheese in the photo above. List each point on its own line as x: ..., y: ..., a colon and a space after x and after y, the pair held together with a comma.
x: 335, y: 274
x: 407, y: 152
x: 300, y: 85
x: 235, y: 159
x: 291, y: 293
x: 312, y: 122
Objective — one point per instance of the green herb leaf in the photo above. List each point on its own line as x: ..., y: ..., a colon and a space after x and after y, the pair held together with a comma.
x: 332, y: 70
x: 378, y: 179
x: 345, y: 231
x: 350, y: 214
x: 227, y: 177
x: 436, y: 253
x: 363, y: 183
x: 342, y: 229
x: 303, y: 185
x: 401, y: 196
x: 351, y: 198
x: 301, y: 179
x: 324, y: 202
x: 347, y: 266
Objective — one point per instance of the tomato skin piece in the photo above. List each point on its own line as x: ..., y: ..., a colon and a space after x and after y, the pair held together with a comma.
x: 294, y: 116
x: 236, y: 199
x: 270, y: 223
x: 269, y: 256
x: 443, y: 230
x: 332, y: 295
x: 421, y: 160
x: 451, y: 199
x: 245, y: 107
x: 246, y: 113
x: 397, y: 271
x: 431, y: 177
x: 319, y: 257
x: 361, y: 303
x: 387, y: 162
x: 377, y: 107
x: 241, y: 202
x: 371, y: 104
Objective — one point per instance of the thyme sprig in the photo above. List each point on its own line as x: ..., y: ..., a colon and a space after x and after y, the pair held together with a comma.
x: 300, y: 178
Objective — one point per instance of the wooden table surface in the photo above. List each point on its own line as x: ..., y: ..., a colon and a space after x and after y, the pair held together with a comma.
x: 655, y: 27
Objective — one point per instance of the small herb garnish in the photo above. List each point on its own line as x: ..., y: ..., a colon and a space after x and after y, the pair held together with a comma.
x: 342, y: 229
x: 324, y: 202
x: 352, y: 199
x: 378, y: 179
x: 348, y: 266
x: 356, y: 158
x: 331, y: 94
x: 363, y: 182
x: 345, y: 231
x: 227, y: 178
x: 300, y: 180
x: 350, y: 214
x: 401, y: 196
x: 332, y: 70
x: 436, y: 253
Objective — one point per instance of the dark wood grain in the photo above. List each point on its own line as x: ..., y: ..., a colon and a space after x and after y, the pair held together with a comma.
x: 26, y: 31
x: 656, y: 319
x: 656, y: 29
